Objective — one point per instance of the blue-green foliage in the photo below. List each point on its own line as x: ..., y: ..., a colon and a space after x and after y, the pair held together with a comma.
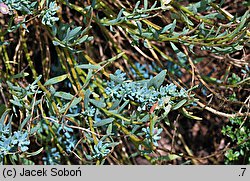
x: 101, y: 150
x: 69, y: 37
x: 142, y: 92
x: 48, y: 14
x: 22, y: 98
x: 52, y: 157
x: 97, y: 117
x: 122, y: 92
x: 89, y: 111
x: 25, y: 6
x: 66, y: 137
x: 21, y: 140
x: 145, y: 70
x: 142, y: 69
x: 12, y: 142
x: 153, y: 136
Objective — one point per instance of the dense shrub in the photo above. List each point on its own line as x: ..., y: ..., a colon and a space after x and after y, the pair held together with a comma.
x: 124, y: 82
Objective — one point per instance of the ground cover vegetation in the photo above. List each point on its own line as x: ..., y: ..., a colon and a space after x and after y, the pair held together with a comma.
x: 124, y: 82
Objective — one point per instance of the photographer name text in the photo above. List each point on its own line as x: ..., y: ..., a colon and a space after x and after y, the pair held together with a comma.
x: 42, y: 172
